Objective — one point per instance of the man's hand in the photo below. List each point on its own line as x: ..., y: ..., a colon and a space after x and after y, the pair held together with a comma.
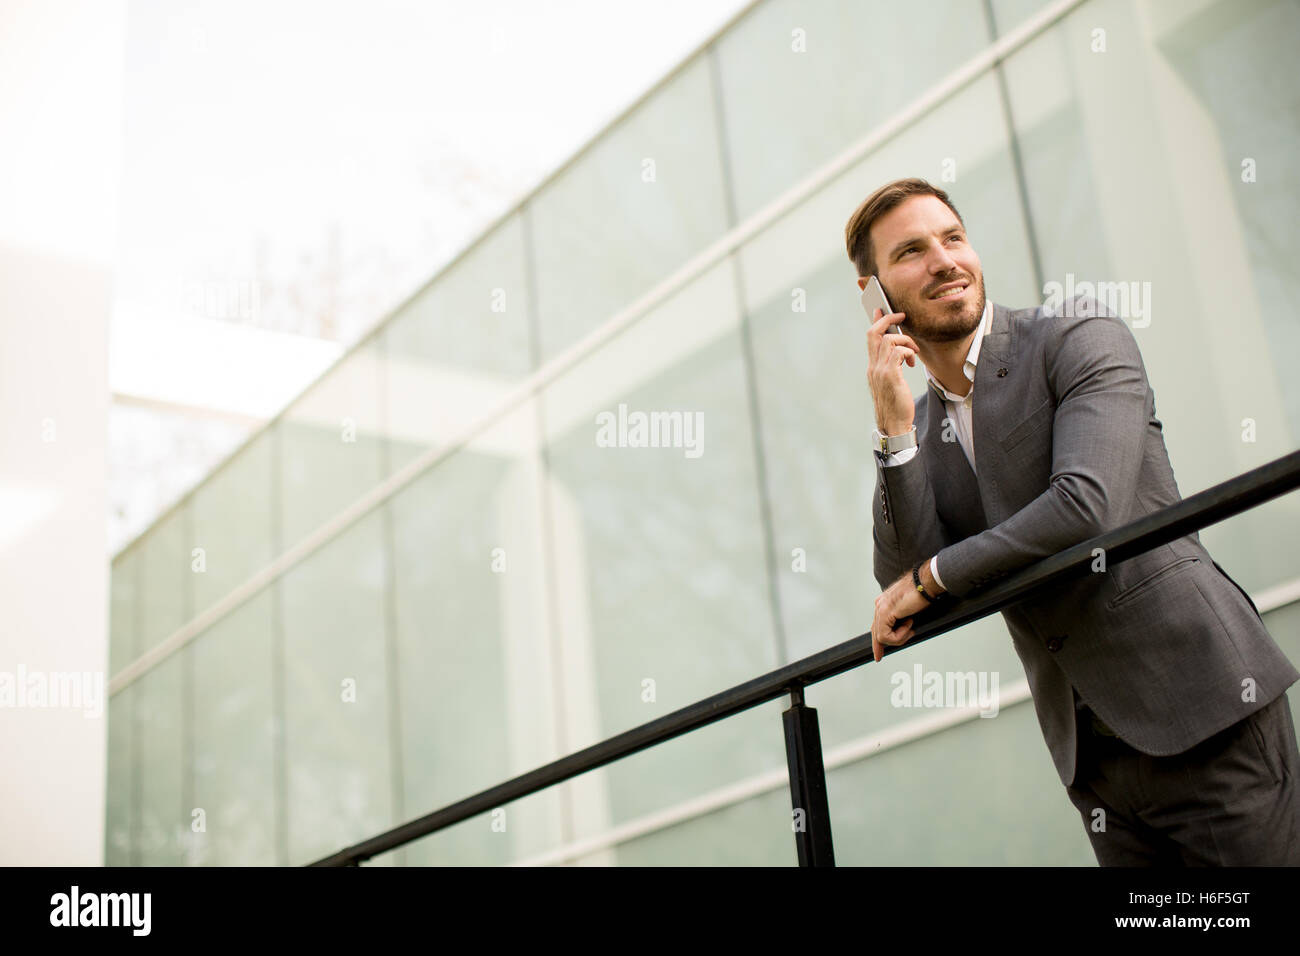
x: 892, y: 625
x: 890, y: 396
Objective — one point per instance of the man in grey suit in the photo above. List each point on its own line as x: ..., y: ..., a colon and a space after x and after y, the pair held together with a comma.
x: 1160, y: 694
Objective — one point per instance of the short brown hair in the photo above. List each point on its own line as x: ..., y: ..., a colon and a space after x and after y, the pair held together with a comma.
x: 857, y: 234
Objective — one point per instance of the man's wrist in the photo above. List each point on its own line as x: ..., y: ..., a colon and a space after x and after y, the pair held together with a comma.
x: 894, y: 429
x: 886, y: 444
x: 932, y: 587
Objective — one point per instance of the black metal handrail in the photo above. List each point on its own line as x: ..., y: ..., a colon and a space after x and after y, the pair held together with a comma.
x: 807, y: 778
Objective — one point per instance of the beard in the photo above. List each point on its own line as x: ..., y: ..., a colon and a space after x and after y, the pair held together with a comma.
x: 938, y: 321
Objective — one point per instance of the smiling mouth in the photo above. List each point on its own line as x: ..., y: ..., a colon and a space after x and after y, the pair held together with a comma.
x: 951, y: 292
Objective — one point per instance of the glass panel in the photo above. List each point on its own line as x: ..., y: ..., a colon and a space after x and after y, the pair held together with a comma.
x: 458, y: 346
x: 489, y: 839
x: 981, y: 793
x: 232, y: 743
x: 478, y: 697
x: 164, y: 819
x: 165, y: 579
x: 336, y: 695
x: 232, y: 522
x: 659, y: 551
x: 755, y: 832
x: 123, y: 623
x: 118, y: 848
x: 637, y: 205
x: 1009, y: 14
x: 1155, y: 166
x: 801, y: 82
x: 1254, y: 108
x: 331, y: 444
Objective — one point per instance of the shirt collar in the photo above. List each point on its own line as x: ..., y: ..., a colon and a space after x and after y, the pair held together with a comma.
x: 972, y: 356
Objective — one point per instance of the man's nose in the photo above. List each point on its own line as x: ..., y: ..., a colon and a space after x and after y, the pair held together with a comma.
x: 940, y: 261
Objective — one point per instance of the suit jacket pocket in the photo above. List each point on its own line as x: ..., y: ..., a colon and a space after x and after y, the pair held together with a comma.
x: 1151, y: 580
x: 1031, y: 423
x: 1262, y: 743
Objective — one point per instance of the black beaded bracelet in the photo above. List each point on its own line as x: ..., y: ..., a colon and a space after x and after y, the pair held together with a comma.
x: 916, y: 579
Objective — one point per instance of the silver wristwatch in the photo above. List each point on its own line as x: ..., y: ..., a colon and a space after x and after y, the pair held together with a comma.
x: 889, y: 445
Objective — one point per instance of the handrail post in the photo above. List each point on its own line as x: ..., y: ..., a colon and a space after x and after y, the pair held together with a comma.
x: 811, y: 817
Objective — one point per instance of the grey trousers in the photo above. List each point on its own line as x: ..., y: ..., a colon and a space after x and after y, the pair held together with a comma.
x: 1232, y: 800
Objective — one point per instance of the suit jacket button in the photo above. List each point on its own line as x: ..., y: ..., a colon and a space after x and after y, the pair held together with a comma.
x: 1054, y: 643
x: 1002, y: 373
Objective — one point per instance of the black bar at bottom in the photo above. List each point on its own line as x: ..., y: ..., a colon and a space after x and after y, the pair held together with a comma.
x: 812, y: 815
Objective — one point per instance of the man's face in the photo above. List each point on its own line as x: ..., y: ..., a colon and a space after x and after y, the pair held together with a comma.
x: 928, y: 270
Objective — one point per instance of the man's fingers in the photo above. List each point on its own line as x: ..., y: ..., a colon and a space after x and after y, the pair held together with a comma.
x: 878, y: 335
x: 898, y: 354
x: 875, y: 331
x: 900, y: 338
x: 882, y: 637
x: 880, y: 324
x: 899, y: 348
x: 880, y: 327
x: 886, y: 629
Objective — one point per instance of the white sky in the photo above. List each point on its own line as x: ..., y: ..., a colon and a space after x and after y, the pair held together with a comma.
x: 260, y: 132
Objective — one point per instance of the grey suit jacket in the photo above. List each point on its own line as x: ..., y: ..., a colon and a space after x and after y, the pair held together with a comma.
x: 1164, y: 647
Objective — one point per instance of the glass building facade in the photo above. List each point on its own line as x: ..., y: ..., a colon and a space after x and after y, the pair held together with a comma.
x: 430, y: 574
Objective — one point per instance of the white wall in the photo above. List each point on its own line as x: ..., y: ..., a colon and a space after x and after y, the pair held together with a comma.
x: 61, y: 68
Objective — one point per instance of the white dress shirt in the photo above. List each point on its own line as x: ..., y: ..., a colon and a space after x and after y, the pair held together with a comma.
x: 958, y: 408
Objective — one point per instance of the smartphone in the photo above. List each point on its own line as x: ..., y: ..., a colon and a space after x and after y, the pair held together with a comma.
x: 873, y: 297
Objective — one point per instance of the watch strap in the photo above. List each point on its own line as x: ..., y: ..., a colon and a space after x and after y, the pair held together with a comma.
x: 892, y: 444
